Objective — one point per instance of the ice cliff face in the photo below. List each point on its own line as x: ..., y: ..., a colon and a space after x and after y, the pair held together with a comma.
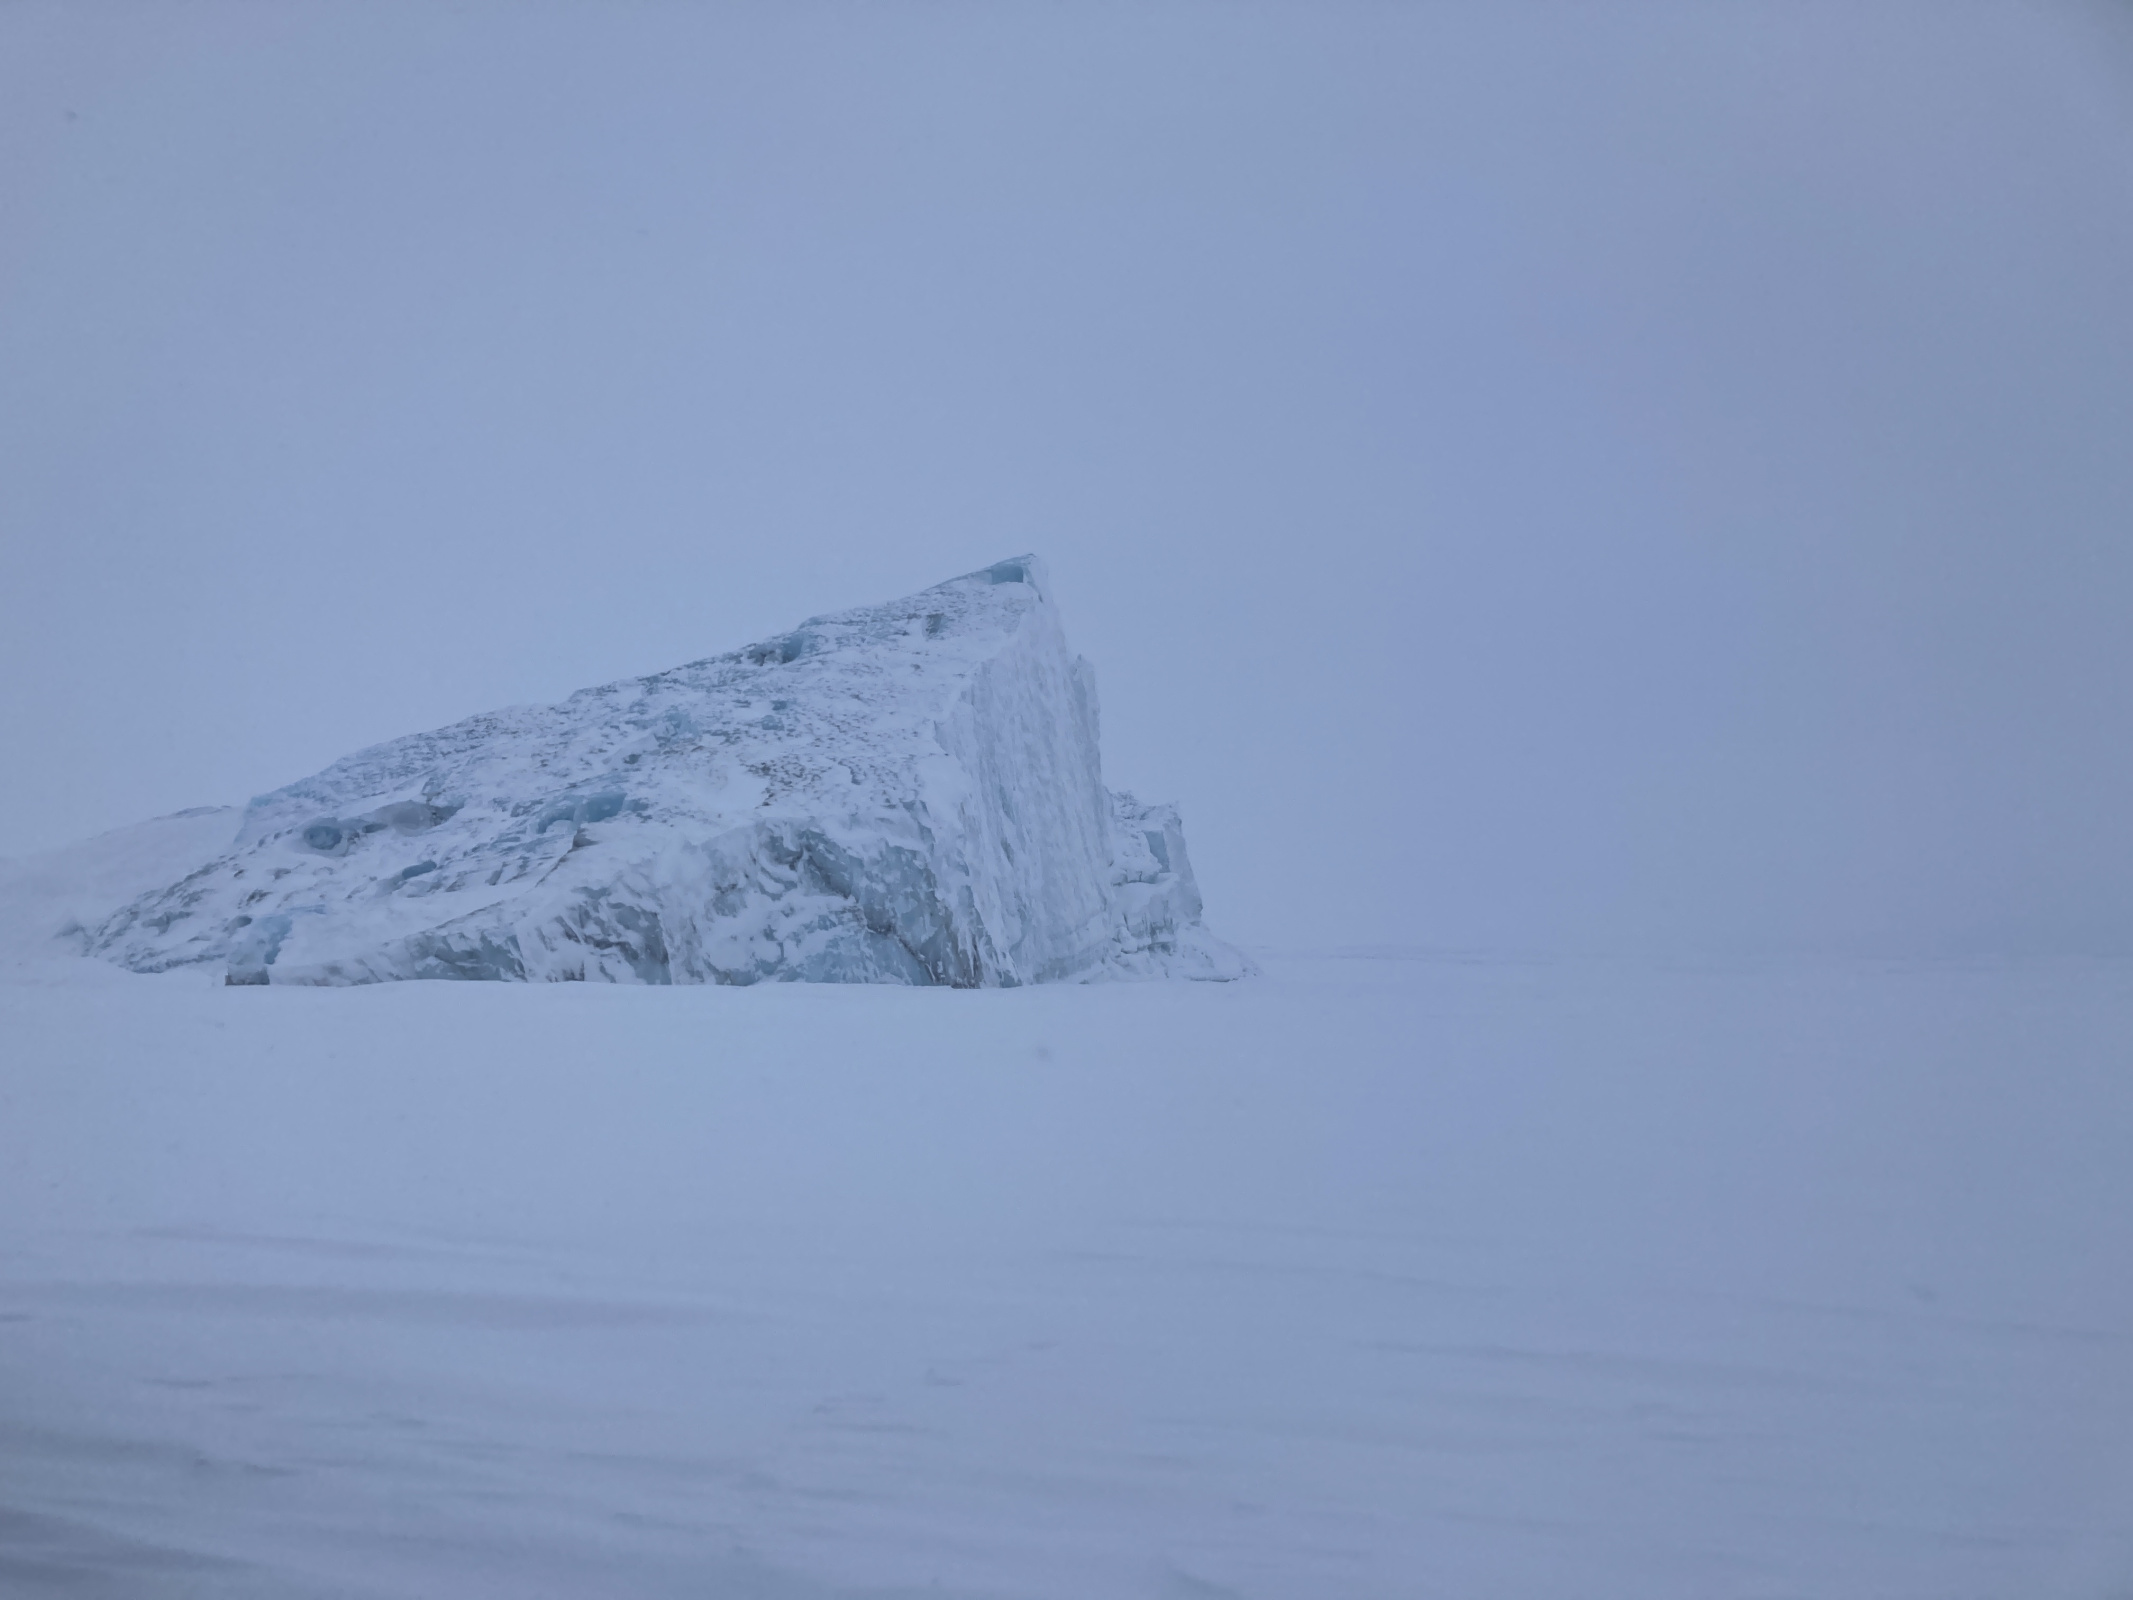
x: 909, y: 793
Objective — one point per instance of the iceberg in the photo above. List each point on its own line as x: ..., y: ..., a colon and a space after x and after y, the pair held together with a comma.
x: 907, y: 793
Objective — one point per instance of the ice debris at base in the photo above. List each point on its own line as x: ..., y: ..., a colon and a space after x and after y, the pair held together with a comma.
x: 907, y: 793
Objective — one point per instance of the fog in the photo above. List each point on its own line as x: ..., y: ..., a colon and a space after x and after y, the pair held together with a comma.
x: 1613, y: 524
x: 1646, y: 478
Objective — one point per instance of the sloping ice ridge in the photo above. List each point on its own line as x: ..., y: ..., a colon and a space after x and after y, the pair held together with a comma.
x: 907, y: 793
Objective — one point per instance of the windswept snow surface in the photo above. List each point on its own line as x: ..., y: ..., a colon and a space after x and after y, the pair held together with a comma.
x: 908, y: 793
x: 1366, y: 1279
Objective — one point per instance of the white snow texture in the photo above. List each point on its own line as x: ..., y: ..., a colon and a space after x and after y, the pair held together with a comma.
x: 908, y: 793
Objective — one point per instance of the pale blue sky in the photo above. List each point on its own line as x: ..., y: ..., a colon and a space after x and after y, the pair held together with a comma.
x: 1621, y: 478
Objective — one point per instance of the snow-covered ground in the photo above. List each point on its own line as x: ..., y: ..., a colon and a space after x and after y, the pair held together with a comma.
x: 1370, y: 1277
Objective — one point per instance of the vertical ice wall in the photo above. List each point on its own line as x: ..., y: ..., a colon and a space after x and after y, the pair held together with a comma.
x: 1031, y: 818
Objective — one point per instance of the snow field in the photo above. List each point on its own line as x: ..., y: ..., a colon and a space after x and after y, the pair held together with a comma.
x: 1367, y: 1278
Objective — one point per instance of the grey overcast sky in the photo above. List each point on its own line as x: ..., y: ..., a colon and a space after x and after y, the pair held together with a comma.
x: 1632, y: 477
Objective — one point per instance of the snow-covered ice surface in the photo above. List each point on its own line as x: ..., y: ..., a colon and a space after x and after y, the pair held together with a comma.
x: 906, y: 793
x: 49, y: 902
x: 1366, y: 1278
